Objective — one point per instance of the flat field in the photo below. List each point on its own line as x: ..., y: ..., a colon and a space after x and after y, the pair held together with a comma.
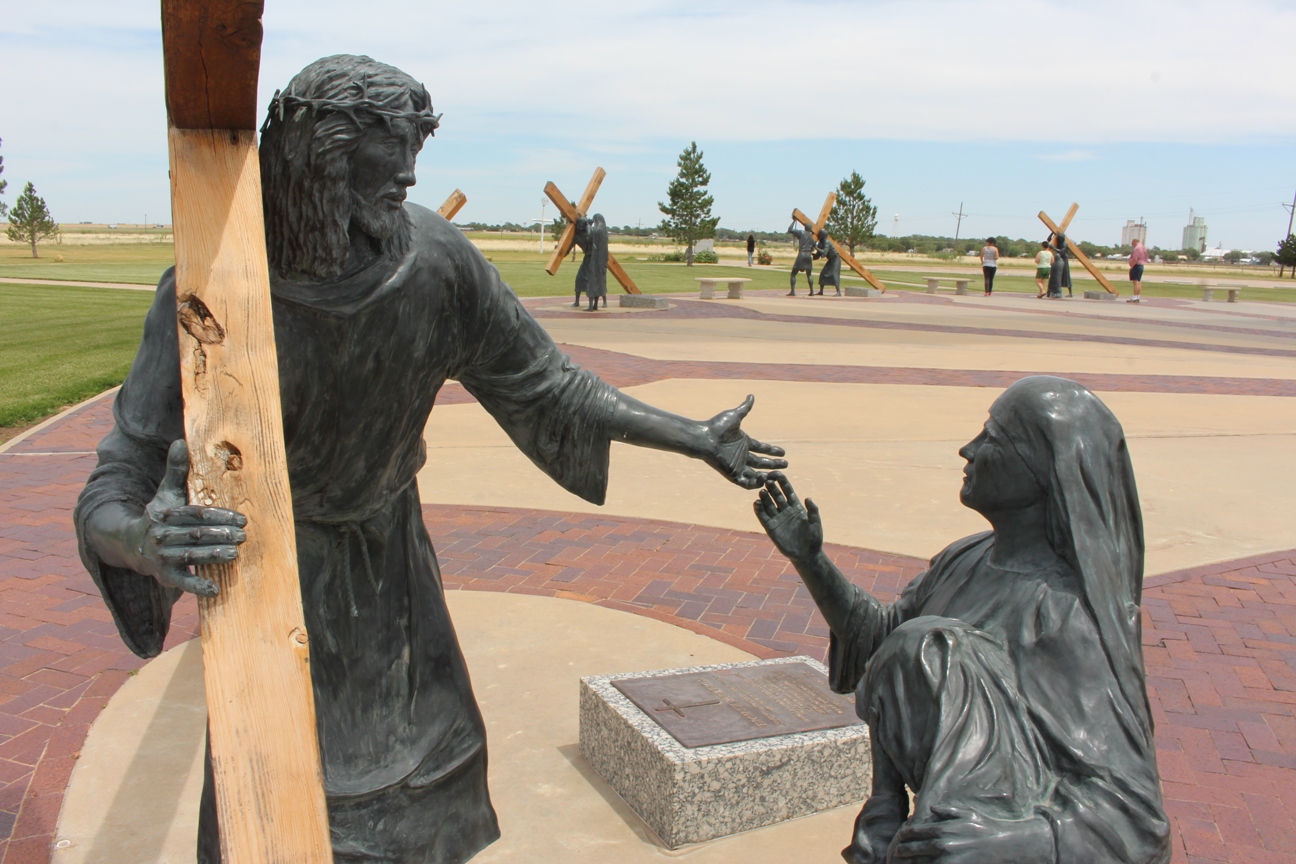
x: 99, y: 262
x: 60, y: 345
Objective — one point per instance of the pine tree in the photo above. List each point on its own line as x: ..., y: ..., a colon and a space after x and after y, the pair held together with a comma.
x: 1286, y: 255
x: 30, y: 220
x: 688, y: 215
x: 4, y: 208
x: 854, y: 216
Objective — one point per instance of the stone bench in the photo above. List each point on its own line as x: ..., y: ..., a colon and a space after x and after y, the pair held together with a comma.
x: 708, y: 283
x: 1234, y: 291
x: 960, y: 285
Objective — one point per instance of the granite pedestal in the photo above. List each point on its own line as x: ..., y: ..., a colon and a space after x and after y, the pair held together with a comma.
x: 1100, y: 295
x: 642, y: 301
x: 861, y: 291
x: 688, y: 794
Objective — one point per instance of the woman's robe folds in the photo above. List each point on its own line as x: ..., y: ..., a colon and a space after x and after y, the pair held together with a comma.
x: 991, y: 690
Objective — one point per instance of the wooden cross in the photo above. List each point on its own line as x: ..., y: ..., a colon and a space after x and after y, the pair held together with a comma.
x: 256, y: 657
x: 1074, y: 249
x: 452, y: 205
x: 816, y: 226
x: 568, y: 237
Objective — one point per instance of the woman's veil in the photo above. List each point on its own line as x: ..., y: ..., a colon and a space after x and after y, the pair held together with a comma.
x: 1076, y: 448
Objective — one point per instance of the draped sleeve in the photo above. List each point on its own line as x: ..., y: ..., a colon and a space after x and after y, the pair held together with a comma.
x: 870, y: 622
x: 149, y: 415
x: 558, y: 414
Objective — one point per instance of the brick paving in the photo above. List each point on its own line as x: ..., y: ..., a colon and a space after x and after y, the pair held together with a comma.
x: 61, y: 659
x: 1220, y: 641
x: 686, y: 308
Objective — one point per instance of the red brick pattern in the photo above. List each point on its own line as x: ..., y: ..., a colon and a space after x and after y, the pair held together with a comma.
x: 60, y: 656
x: 684, y: 308
x: 1220, y: 641
x: 730, y: 585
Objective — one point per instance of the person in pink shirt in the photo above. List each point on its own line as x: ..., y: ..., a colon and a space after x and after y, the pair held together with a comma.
x: 1137, y: 259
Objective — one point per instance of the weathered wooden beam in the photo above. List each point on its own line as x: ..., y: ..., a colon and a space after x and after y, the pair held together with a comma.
x: 859, y: 268
x: 825, y: 212
x: 614, y: 267
x: 212, y: 58
x: 452, y: 205
x: 564, y: 206
x: 256, y: 657
x: 1070, y: 214
x: 1079, y: 256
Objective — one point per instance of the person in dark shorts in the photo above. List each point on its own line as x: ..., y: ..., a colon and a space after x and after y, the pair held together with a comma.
x: 1137, y: 259
x: 989, y: 263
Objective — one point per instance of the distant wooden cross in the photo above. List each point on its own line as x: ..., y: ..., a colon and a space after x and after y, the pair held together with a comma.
x: 1073, y: 248
x: 817, y: 226
x: 452, y: 205
x: 568, y: 238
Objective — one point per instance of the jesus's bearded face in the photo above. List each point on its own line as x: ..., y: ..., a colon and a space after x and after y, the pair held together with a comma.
x: 382, y: 169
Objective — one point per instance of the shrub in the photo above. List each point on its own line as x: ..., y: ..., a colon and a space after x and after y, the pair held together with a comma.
x: 706, y: 256
x: 764, y: 258
x: 668, y: 257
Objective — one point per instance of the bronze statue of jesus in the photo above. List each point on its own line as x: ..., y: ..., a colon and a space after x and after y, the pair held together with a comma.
x: 376, y: 303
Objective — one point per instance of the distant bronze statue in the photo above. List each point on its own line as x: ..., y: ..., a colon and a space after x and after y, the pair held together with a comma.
x: 805, y: 256
x: 1060, y: 275
x: 830, y: 272
x: 1005, y: 687
x: 591, y: 278
x: 376, y: 304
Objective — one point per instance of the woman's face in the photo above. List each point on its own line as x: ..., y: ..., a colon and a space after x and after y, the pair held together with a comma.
x: 996, y: 478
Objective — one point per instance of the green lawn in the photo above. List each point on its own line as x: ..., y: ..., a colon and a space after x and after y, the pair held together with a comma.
x: 60, y: 345
x: 140, y: 263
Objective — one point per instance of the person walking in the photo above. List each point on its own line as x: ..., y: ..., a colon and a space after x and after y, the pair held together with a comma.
x: 989, y: 263
x: 1138, y: 257
x: 751, y: 248
x: 1043, y: 269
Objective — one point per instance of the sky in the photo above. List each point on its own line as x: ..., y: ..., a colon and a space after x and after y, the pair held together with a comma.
x: 1000, y: 108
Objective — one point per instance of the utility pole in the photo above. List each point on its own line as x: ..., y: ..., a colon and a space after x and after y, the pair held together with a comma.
x: 1291, y: 210
x: 957, y: 225
x: 542, y: 224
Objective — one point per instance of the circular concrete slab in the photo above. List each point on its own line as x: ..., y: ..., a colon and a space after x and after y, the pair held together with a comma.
x: 133, y: 798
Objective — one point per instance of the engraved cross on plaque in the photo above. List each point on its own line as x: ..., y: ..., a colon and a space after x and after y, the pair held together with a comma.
x: 668, y: 705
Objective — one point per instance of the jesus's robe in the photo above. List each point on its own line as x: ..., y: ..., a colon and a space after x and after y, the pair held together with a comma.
x: 361, y: 360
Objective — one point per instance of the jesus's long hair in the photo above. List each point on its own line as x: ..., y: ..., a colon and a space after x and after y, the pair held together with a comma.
x: 309, y: 137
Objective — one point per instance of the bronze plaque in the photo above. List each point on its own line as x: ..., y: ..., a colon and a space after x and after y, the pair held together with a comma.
x: 727, y: 705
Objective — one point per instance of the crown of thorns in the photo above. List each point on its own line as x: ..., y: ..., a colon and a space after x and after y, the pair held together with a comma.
x: 285, y: 103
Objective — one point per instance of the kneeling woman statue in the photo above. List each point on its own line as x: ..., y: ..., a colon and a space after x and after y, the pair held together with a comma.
x: 1005, y: 687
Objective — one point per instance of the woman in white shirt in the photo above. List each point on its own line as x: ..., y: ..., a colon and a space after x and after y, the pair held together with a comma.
x: 1043, y: 269
x: 989, y: 263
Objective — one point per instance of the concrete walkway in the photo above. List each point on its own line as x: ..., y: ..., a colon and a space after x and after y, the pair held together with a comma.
x: 872, y: 400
